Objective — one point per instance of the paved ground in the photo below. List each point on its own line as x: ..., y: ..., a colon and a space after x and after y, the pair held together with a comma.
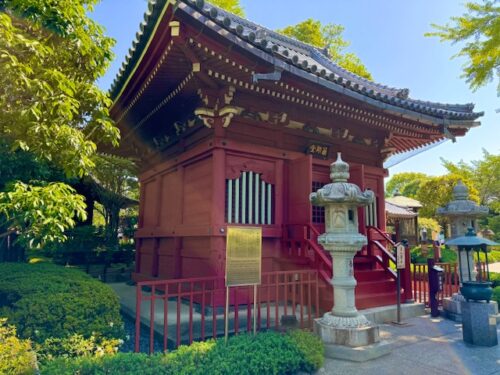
x: 426, y: 346
x: 495, y: 267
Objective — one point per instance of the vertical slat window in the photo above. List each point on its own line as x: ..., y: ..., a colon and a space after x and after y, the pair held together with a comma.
x: 371, y: 214
x: 249, y: 200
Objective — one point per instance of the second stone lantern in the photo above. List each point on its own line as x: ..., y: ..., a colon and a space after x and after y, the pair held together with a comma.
x: 343, y: 328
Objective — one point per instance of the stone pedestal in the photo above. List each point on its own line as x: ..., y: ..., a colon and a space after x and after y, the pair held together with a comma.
x: 479, y: 326
x: 353, y: 339
x: 452, y: 308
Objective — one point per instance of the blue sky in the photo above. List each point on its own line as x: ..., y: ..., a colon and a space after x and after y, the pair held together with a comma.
x: 388, y: 36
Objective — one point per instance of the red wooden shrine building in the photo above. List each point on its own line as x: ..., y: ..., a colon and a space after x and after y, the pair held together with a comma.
x: 234, y: 124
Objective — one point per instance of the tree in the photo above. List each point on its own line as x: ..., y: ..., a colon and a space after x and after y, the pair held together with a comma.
x: 479, y: 29
x: 436, y: 191
x: 120, y: 186
x: 51, y: 53
x: 232, y: 6
x: 484, y: 174
x: 36, y: 211
x: 328, y: 36
x: 406, y: 183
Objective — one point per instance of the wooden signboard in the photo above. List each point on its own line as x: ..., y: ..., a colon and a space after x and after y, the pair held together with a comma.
x: 243, y: 256
x: 400, y: 257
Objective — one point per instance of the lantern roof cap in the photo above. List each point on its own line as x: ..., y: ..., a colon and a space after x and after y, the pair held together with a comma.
x: 340, y: 191
x: 470, y: 240
x: 461, y: 205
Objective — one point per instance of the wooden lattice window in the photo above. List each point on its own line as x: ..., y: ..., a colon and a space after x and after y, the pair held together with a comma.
x: 249, y: 200
x: 318, y: 213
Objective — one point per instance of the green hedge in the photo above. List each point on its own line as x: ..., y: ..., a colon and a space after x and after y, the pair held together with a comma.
x: 45, y: 301
x: 266, y: 353
x: 495, y: 279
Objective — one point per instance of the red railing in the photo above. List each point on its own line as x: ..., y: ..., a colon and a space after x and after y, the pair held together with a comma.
x: 381, y: 246
x: 183, y: 310
x: 420, y: 281
x: 302, y: 242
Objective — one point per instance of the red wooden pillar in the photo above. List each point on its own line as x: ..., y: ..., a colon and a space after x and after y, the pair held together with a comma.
x: 218, y: 221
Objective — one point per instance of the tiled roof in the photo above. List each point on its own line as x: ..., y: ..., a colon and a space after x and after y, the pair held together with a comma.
x: 394, y: 210
x: 309, y: 59
x: 402, y: 201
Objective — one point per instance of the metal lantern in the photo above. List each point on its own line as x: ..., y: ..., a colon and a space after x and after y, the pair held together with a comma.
x: 479, y: 289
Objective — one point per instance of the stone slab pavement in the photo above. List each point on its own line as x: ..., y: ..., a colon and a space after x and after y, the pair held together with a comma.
x: 495, y: 267
x: 425, y: 346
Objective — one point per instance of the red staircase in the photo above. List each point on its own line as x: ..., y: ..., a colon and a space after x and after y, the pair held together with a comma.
x: 376, y: 280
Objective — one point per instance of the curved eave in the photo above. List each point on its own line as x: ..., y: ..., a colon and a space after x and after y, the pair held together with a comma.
x: 408, y: 109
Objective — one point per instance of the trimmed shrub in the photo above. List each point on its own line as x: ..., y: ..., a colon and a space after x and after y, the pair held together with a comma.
x: 495, y: 279
x: 45, y: 301
x: 311, y: 348
x: 16, y: 356
x: 266, y: 353
x: 76, y: 346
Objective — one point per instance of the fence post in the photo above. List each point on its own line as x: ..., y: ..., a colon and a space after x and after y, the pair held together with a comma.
x: 138, y: 300
x: 406, y: 275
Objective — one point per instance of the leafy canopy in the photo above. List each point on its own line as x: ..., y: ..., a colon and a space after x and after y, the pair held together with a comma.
x: 406, y: 183
x: 232, y: 6
x: 484, y: 174
x: 436, y: 191
x: 479, y: 31
x: 51, y: 54
x: 38, y: 213
x: 328, y: 36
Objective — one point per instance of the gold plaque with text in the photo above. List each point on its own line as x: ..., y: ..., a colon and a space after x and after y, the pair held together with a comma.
x: 243, y: 255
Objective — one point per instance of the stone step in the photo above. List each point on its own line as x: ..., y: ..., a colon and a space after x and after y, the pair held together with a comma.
x: 387, y: 314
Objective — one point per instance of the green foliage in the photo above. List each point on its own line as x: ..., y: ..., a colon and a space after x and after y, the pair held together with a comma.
x: 447, y: 255
x: 76, y: 346
x: 495, y: 279
x: 51, y: 55
x: 330, y: 36
x: 232, y: 6
x: 45, y: 300
x: 430, y: 225
x: 16, y: 356
x: 479, y: 30
x: 437, y: 191
x: 266, y: 353
x: 41, y: 213
x: 310, y: 347
x: 450, y: 256
x: 494, y: 225
x: 121, y: 363
x: 23, y: 166
x: 406, y: 183
x: 483, y: 174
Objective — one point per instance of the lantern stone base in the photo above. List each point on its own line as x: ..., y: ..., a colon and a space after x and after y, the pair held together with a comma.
x: 452, y: 308
x: 350, y: 338
x: 479, y: 326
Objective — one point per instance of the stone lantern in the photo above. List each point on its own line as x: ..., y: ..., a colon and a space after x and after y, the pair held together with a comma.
x: 479, y: 314
x: 344, y: 328
x: 462, y: 213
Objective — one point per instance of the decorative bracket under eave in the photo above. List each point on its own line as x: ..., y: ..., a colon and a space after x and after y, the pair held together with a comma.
x: 209, y: 116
